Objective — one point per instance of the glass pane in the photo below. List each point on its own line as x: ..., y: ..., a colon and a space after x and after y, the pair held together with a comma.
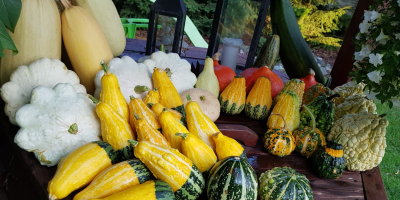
x: 166, y: 31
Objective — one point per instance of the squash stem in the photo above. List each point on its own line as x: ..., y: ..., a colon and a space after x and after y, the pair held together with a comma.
x: 134, y: 143
x: 73, y: 129
x: 188, y: 97
x: 284, y: 122
x: 105, y: 68
x: 183, y: 135
x: 202, y: 98
x: 132, y: 97
x: 95, y: 101
x: 66, y: 4
x: 136, y: 116
x: 139, y: 89
x: 215, y: 135
x: 165, y: 109
x: 168, y: 71
x: 150, y: 105
x: 162, y: 48
x: 312, y: 117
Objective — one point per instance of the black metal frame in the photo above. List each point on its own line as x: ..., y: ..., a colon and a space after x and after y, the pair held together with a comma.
x: 170, y: 8
x: 214, y: 37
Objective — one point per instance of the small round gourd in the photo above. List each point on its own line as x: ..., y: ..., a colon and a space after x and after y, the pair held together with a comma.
x: 308, y: 139
x: 329, y: 162
x: 279, y: 141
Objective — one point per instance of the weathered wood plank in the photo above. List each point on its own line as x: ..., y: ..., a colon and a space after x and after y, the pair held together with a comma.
x: 373, y: 184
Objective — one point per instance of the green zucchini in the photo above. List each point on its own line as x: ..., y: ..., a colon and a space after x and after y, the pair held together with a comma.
x: 269, y: 53
x: 295, y: 54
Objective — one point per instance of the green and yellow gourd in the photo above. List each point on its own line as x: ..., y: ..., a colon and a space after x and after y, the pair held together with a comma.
x: 79, y: 168
x: 146, y: 132
x: 111, y: 94
x: 308, y: 139
x: 170, y: 127
x: 233, y: 98
x: 169, y: 165
x: 259, y: 101
x: 232, y: 178
x: 279, y: 141
x: 116, y: 178
x: 115, y: 130
x: 287, y: 106
x: 199, y: 124
x: 137, y: 106
x: 296, y: 85
x: 314, y: 91
x: 150, y: 190
x: 226, y: 146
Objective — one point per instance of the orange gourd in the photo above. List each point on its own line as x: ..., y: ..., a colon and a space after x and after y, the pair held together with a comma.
x: 251, y: 74
x: 224, y: 73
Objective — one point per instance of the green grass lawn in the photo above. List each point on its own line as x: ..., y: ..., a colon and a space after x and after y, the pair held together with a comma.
x: 390, y: 165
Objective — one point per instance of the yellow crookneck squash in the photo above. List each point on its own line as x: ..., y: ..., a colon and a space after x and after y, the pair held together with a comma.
x: 199, y: 124
x: 198, y: 151
x: 146, y: 132
x: 171, y: 166
x: 170, y: 126
x: 152, y: 97
x: 169, y: 96
x: 36, y: 35
x: 115, y: 130
x: 79, y: 168
x: 233, y: 98
x: 116, y: 178
x: 288, y: 106
x: 259, y: 100
x: 158, y: 109
x: 137, y: 106
x: 111, y: 94
x: 296, y: 85
x: 85, y: 43
x: 226, y: 146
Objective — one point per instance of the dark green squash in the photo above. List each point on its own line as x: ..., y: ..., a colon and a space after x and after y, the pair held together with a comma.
x: 232, y: 178
x: 329, y: 162
x: 269, y: 53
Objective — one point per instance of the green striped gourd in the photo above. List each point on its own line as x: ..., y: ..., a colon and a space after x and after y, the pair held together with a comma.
x: 169, y: 165
x: 233, y: 98
x: 269, y: 53
x: 284, y: 183
x: 116, y: 178
x: 259, y: 100
x: 232, y: 178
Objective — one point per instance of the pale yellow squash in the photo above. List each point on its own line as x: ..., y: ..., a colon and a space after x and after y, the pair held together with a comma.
x: 36, y: 35
x: 85, y: 43
x: 107, y: 16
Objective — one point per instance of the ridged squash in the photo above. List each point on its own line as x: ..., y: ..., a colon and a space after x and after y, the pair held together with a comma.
x: 150, y: 190
x: 170, y: 127
x: 226, y: 146
x: 199, y: 124
x: 137, y: 106
x: 115, y: 130
x: 169, y: 165
x: 107, y: 17
x: 296, y: 85
x: 85, y: 43
x: 152, y: 97
x: 259, y: 100
x: 233, y: 98
x: 287, y: 106
x: 36, y: 35
x: 116, y: 178
x: 79, y: 168
x: 111, y: 93
x: 158, y: 109
x: 207, y: 79
x: 198, y: 151
x: 147, y: 132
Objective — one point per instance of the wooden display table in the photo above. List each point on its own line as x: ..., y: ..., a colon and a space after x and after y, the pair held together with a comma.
x: 26, y: 179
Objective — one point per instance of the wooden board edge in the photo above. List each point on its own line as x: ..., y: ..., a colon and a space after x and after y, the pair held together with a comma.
x: 373, y: 184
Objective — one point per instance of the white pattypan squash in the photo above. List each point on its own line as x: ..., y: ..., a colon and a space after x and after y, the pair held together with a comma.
x: 46, y: 72
x: 56, y: 122
x: 129, y: 74
x: 178, y: 70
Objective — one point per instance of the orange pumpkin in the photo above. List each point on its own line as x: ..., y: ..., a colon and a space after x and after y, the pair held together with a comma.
x: 279, y: 141
x: 251, y: 74
x: 224, y: 73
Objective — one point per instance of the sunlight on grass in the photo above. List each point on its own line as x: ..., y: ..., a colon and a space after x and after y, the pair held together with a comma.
x: 390, y: 165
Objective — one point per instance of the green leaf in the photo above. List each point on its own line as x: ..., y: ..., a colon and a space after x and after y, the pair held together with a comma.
x: 6, y: 41
x: 10, y: 10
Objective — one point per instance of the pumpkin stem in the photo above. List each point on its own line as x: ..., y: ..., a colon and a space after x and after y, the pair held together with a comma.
x: 183, y: 135
x: 216, y: 56
x: 150, y: 105
x: 136, y: 116
x: 168, y: 71
x: 66, y: 3
x: 73, y: 129
x: 333, y: 96
x: 284, y: 122
x: 188, y: 97
x: 312, y: 117
x: 311, y: 72
x: 139, y: 89
x: 105, y: 68
x: 95, y: 101
x: 134, y: 143
x: 202, y: 98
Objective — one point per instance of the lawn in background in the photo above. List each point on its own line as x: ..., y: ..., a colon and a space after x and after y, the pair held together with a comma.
x: 390, y: 165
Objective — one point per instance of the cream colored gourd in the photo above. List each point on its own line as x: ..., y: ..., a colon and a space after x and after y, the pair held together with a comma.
x: 36, y: 35
x: 85, y: 43
x: 207, y: 79
x: 107, y: 16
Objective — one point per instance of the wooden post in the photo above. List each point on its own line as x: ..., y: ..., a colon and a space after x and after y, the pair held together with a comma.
x: 344, y: 61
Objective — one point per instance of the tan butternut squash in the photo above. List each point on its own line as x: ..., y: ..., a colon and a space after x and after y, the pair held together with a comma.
x: 36, y: 35
x: 85, y: 43
x: 107, y: 16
